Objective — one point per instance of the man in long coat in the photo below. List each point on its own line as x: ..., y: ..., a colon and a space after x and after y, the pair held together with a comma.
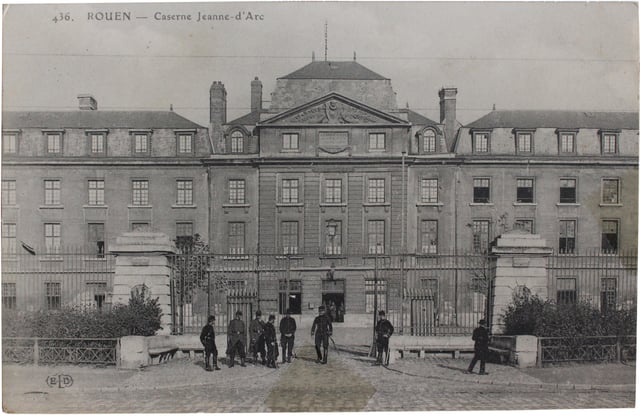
x: 287, y: 336
x: 322, y: 329
x: 236, y: 338
x: 480, y: 347
x: 384, y: 330
x: 208, y: 340
x: 256, y: 338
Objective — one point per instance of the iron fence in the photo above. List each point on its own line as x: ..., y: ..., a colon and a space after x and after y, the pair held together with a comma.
x: 553, y: 350
x: 60, y: 350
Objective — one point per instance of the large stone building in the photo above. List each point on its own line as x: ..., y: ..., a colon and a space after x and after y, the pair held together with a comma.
x: 332, y: 176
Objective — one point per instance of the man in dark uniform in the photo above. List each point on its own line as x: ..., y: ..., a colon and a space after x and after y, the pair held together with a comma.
x: 236, y: 338
x: 481, y: 347
x: 322, y: 329
x: 287, y: 335
x: 384, y: 330
x: 208, y: 340
x: 256, y: 338
x: 270, y: 340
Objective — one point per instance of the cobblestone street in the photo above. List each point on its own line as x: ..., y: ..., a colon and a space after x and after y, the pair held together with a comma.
x: 347, y: 383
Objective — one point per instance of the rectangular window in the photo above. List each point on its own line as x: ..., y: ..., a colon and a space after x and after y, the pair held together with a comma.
x: 524, y: 191
x: 525, y: 142
x: 610, y: 191
x: 294, y: 296
x: 141, y: 143
x: 8, y: 192
x: 96, y: 239
x: 376, y: 191
x: 97, y: 143
x: 608, y: 294
x: 609, y: 144
x: 236, y: 191
x: 567, y: 243
x: 376, y: 141
x: 185, y: 192
x: 375, y: 236
x: 429, y: 141
x: 429, y: 191
x: 371, y: 291
x: 236, y: 238
x: 567, y: 191
x: 52, y: 192
x: 237, y: 142
x: 184, y: 230
x: 567, y: 142
x: 334, y: 238
x: 53, y: 292
x: 96, y: 192
x: 290, y: 141
x: 290, y: 191
x: 481, y: 236
x: 9, y: 143
x: 481, y: 190
x: 185, y: 143
x: 429, y: 237
x: 480, y: 142
x: 524, y: 224
x: 99, y: 292
x: 52, y: 239
x: 289, y: 236
x: 566, y: 291
x: 9, y: 241
x: 54, y: 143
x: 140, y: 189
x: 333, y: 191
x: 9, y: 295
x: 610, y: 236
x: 140, y: 226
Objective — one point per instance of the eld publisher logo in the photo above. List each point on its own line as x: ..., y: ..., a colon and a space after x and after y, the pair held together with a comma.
x: 60, y: 380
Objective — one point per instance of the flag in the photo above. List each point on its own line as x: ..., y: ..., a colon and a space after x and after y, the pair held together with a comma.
x: 27, y: 247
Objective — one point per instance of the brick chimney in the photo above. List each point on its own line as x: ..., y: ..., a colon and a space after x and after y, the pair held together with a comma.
x: 87, y: 102
x: 217, y: 115
x: 256, y: 95
x: 448, y: 110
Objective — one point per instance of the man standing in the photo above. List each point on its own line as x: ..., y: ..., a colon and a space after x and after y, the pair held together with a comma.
x: 236, y: 338
x: 384, y: 330
x: 208, y: 340
x: 481, y: 347
x: 322, y: 329
x: 256, y: 338
x: 287, y: 335
x: 270, y: 340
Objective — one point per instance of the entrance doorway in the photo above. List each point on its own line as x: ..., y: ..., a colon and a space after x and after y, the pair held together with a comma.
x: 333, y: 299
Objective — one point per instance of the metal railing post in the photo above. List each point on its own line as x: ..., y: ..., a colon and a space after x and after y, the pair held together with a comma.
x: 36, y: 352
x: 539, y: 360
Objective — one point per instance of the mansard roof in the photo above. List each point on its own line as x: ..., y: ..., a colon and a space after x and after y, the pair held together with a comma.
x: 251, y: 118
x: 334, y: 70
x: 96, y: 119
x: 419, y: 119
x: 531, y: 119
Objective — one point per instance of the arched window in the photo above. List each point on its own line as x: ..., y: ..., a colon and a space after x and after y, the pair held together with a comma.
x: 429, y: 141
x: 237, y: 142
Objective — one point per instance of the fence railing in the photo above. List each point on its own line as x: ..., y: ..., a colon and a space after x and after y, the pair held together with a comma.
x: 582, y: 349
x: 60, y: 350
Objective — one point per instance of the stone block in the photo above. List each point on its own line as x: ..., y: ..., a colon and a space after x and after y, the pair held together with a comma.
x: 133, y: 352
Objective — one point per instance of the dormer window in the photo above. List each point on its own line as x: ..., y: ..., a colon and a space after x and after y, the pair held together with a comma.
x: 97, y: 142
x: 524, y: 141
x: 567, y: 141
x: 481, y: 142
x: 237, y: 142
x: 609, y: 142
x: 184, y: 143
x: 53, y: 142
x: 429, y: 141
x: 10, y: 143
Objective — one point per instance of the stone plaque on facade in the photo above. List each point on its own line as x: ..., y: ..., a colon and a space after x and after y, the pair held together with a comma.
x: 333, y: 141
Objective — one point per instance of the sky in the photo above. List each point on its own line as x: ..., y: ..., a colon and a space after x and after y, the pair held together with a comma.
x: 523, y: 55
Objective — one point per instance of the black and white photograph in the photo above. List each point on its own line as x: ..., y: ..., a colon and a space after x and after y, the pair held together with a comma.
x: 347, y: 206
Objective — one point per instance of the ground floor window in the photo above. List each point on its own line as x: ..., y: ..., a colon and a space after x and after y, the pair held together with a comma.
x: 9, y: 295
x: 608, y: 294
x: 98, y: 292
x: 370, y: 295
x: 566, y: 291
x: 295, y: 297
x: 53, y: 294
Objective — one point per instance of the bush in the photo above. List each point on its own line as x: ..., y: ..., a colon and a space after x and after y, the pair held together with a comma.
x: 530, y: 315
x: 140, y: 317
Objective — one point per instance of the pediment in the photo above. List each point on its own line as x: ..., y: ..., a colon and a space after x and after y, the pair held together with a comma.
x: 333, y: 109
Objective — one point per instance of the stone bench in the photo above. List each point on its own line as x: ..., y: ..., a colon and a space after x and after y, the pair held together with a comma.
x: 400, y: 345
x: 163, y: 353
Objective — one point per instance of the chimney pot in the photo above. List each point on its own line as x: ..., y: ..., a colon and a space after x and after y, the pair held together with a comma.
x: 87, y: 102
x: 448, y: 109
x: 256, y: 95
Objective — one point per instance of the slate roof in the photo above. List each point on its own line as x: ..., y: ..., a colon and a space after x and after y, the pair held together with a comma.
x: 251, y: 118
x: 96, y: 119
x: 419, y: 119
x: 334, y: 70
x: 556, y: 119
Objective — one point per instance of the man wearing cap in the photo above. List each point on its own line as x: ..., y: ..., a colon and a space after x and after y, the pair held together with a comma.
x: 236, y: 338
x: 270, y: 340
x: 208, y: 340
x: 384, y: 330
x: 287, y: 335
x: 481, y: 347
x: 322, y: 329
x: 256, y: 338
